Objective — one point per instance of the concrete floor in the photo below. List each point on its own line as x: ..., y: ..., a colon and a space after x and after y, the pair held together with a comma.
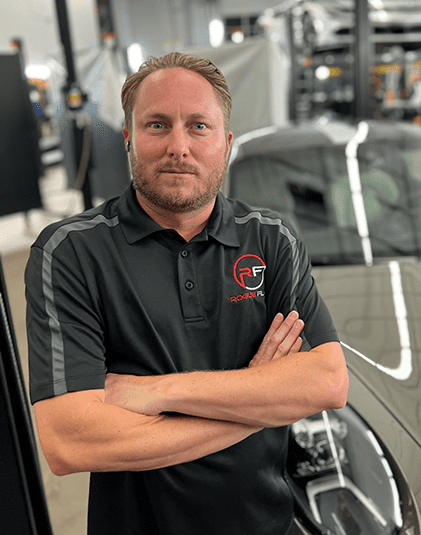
x: 66, y: 496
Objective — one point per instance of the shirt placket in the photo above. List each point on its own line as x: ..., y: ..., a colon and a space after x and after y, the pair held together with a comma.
x: 188, y: 284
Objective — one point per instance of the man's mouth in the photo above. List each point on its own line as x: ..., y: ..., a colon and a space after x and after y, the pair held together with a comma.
x: 176, y: 171
x: 184, y: 170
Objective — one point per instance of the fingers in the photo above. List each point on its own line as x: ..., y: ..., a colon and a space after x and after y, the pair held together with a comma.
x: 282, y: 338
x: 287, y: 337
x: 296, y: 347
x: 267, y: 347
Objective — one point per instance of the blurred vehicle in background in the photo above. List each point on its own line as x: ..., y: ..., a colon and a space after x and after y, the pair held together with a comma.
x: 353, y: 195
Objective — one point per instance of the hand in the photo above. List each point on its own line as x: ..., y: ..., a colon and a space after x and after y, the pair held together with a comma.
x: 132, y: 392
x: 282, y: 338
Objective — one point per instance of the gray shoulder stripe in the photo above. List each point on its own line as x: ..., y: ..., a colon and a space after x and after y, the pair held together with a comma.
x: 62, y: 232
x: 267, y: 221
x: 55, y: 331
x: 57, y: 346
x: 292, y: 240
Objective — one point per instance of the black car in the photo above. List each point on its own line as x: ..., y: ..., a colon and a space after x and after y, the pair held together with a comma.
x: 352, y: 192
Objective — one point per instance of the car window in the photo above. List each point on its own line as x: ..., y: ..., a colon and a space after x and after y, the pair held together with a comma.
x: 310, y: 187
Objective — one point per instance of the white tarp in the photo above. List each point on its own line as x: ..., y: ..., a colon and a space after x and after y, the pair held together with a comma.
x: 101, y: 75
x: 258, y: 73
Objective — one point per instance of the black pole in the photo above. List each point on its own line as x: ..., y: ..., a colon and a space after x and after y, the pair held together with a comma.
x: 63, y: 22
x: 75, y: 99
x: 363, y: 60
x: 292, y: 89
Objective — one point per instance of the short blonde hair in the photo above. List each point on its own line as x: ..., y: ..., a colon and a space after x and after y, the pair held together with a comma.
x: 201, y: 66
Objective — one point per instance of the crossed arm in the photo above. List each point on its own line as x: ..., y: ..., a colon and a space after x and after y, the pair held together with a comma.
x: 143, y: 423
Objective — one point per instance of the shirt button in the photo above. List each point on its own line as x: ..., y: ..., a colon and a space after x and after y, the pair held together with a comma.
x: 189, y: 285
x: 184, y: 253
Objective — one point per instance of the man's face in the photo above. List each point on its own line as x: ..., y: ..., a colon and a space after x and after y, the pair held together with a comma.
x: 178, y: 150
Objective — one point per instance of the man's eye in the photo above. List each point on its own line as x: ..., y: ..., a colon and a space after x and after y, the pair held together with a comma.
x: 200, y: 126
x: 157, y: 126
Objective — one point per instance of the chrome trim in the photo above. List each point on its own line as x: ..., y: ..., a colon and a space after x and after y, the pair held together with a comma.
x: 329, y: 483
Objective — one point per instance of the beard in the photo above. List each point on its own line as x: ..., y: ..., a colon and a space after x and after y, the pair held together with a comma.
x: 202, y: 193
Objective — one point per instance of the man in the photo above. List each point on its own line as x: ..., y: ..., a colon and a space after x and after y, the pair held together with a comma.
x: 173, y: 277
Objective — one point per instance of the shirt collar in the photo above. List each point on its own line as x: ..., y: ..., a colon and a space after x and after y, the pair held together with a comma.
x: 221, y: 224
x: 136, y: 223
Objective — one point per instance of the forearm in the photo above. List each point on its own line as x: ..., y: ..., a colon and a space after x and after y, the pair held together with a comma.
x: 272, y: 394
x: 102, y: 437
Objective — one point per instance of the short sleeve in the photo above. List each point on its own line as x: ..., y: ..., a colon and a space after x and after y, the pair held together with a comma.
x: 65, y: 338
x: 293, y: 288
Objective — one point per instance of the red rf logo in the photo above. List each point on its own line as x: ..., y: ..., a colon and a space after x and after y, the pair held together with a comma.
x: 249, y: 271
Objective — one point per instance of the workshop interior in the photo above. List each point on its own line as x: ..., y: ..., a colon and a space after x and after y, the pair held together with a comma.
x: 326, y: 118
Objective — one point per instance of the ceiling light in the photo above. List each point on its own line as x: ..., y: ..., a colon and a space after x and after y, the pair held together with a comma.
x: 216, y: 32
x: 237, y: 37
x: 39, y: 72
x: 135, y: 56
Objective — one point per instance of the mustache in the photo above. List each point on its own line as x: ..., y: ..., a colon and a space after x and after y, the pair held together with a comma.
x: 177, y: 168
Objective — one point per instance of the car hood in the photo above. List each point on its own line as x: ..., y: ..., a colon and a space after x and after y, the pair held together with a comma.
x: 377, y: 313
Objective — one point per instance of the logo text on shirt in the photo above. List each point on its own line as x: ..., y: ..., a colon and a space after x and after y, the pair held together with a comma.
x: 249, y: 272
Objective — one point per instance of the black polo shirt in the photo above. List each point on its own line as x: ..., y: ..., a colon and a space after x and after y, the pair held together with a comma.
x: 110, y: 290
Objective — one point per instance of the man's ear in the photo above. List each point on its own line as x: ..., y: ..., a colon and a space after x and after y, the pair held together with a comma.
x: 229, y: 140
x: 126, y: 139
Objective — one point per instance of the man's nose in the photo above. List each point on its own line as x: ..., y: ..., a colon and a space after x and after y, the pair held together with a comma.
x: 178, y: 143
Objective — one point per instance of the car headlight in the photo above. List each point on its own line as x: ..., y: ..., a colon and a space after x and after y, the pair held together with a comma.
x: 342, y: 478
